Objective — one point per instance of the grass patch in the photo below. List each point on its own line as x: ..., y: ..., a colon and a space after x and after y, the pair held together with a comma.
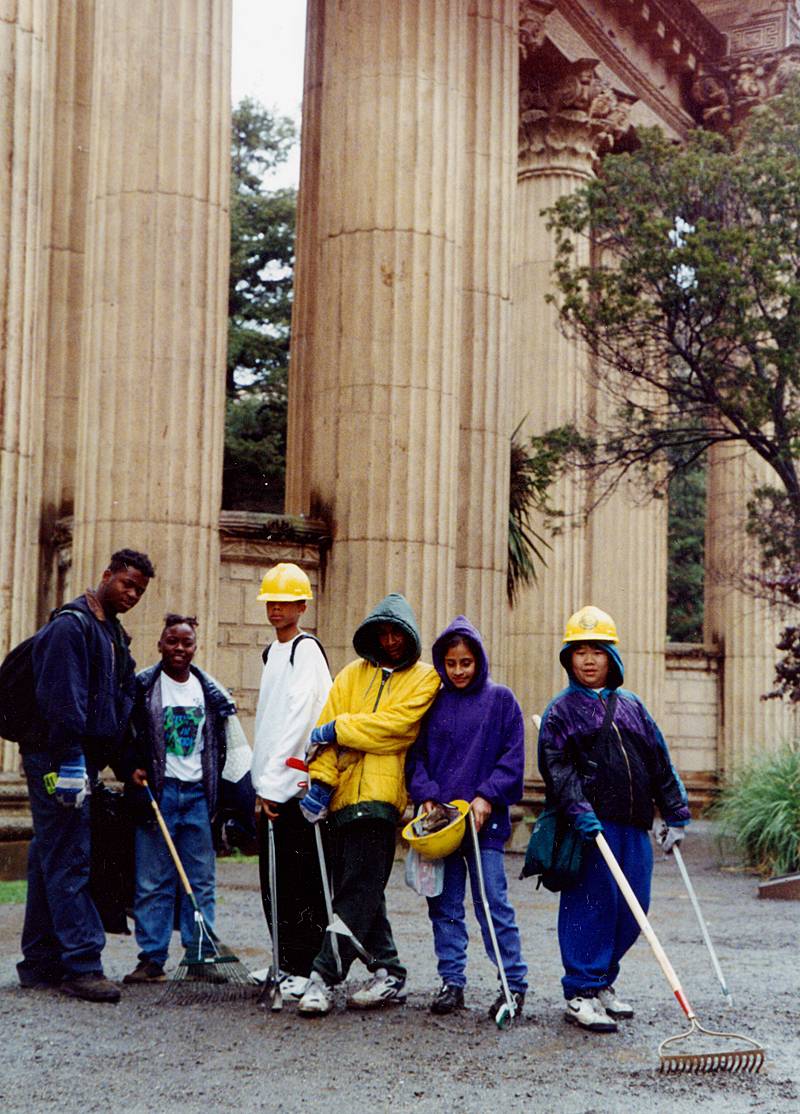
x: 13, y: 893
x: 759, y: 812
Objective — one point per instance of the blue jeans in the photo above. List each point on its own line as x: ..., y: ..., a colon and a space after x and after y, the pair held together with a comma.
x: 595, y: 926
x: 446, y: 913
x: 183, y: 806
x: 62, y: 934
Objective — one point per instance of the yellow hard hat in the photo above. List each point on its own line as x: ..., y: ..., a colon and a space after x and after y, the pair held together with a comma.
x: 590, y: 624
x: 436, y: 845
x: 285, y: 583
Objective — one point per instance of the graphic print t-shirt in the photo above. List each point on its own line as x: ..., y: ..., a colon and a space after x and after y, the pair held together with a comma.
x: 184, y: 714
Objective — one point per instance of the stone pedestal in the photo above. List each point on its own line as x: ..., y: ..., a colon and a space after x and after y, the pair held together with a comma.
x: 22, y: 57
x: 151, y: 412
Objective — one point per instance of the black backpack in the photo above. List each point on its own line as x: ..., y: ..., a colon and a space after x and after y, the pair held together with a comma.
x: 19, y: 716
x: 300, y: 637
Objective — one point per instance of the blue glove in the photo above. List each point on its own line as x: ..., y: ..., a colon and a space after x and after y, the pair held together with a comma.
x: 314, y: 806
x: 72, y: 784
x: 323, y: 735
x: 587, y: 825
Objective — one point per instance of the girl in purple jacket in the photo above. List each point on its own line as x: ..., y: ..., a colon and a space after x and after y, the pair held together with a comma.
x: 471, y: 746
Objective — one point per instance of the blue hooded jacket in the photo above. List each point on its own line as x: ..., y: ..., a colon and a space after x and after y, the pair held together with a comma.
x: 620, y: 779
x: 471, y: 743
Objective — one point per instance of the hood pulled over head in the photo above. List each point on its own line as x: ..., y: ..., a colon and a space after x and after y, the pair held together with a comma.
x: 394, y: 609
x: 461, y: 629
x: 616, y: 670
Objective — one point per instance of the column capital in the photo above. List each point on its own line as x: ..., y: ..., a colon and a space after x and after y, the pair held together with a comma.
x: 726, y: 92
x: 572, y: 113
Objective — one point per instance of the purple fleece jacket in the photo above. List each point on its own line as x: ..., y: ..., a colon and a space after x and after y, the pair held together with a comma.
x: 471, y: 742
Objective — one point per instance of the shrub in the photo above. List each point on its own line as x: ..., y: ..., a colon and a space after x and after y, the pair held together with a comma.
x: 760, y: 812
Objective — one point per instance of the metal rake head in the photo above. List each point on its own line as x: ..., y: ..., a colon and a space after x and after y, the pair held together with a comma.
x: 749, y: 1058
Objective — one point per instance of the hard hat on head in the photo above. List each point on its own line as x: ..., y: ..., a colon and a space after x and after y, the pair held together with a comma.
x: 439, y: 844
x: 590, y: 624
x: 285, y: 583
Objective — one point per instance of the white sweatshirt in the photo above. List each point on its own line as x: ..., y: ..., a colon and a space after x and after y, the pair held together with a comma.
x: 289, y: 703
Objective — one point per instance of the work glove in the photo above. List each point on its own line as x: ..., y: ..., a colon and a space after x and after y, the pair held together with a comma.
x: 667, y: 835
x: 72, y: 783
x: 314, y: 806
x: 324, y: 734
x: 587, y: 825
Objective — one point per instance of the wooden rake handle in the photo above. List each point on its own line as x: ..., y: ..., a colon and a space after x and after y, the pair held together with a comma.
x: 172, y: 848
x: 644, y: 924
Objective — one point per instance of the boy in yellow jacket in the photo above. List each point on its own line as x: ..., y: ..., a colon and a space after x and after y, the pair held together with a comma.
x: 369, y: 721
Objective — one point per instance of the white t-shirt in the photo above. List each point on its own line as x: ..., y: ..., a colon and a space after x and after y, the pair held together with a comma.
x: 184, y: 715
x: 289, y: 703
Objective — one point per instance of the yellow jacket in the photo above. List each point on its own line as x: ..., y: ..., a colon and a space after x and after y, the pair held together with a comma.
x: 377, y: 713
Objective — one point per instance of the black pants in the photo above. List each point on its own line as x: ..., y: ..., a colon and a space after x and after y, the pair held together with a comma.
x: 362, y: 857
x: 301, y: 903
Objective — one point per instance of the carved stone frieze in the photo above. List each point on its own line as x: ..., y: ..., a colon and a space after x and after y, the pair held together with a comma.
x: 726, y: 92
x: 573, y: 112
x: 532, y: 19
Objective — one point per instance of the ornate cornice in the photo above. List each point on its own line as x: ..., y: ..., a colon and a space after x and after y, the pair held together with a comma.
x: 574, y: 112
x: 727, y: 91
x: 674, y: 28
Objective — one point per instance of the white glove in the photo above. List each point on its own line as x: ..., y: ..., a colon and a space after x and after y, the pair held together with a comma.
x: 667, y: 837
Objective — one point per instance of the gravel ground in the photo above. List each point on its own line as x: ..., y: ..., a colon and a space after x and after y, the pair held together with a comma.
x: 139, y: 1057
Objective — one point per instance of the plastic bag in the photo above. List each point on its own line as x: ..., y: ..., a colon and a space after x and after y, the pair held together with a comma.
x: 426, y: 876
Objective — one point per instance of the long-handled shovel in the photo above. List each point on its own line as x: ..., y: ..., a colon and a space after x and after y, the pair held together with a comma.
x: 701, y: 921
x: 272, y: 987
x: 505, y: 1015
x: 749, y: 1058
x: 298, y: 764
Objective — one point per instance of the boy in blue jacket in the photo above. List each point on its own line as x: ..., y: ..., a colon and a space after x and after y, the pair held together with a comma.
x: 472, y: 747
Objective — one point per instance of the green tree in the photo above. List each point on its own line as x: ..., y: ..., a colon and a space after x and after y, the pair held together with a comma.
x: 692, y: 308
x: 259, y: 311
x: 686, y: 549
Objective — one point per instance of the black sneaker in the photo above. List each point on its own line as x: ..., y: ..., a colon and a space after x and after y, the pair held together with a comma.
x: 94, y: 987
x: 146, y: 970
x: 448, y: 999
x: 500, y: 1001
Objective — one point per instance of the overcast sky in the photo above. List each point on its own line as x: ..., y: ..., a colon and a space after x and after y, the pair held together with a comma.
x: 268, y: 45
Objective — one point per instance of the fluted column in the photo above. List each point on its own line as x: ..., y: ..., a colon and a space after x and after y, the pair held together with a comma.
x: 486, y: 376
x: 382, y: 458
x: 743, y: 628
x: 22, y: 57
x: 152, y: 391
x: 564, y: 125
x: 66, y: 173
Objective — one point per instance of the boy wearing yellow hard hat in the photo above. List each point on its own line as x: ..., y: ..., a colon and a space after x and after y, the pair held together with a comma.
x: 294, y: 685
x: 605, y: 766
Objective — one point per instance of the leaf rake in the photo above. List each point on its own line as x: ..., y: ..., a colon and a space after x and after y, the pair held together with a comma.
x: 748, y: 1056
x: 209, y: 971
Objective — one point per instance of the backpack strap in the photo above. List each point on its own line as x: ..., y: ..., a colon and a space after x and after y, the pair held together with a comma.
x: 300, y: 637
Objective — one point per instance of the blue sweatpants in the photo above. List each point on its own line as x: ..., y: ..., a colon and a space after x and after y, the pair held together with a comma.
x: 595, y: 926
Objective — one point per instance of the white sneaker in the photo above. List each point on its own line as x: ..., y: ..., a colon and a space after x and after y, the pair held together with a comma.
x: 293, y: 986
x: 382, y: 989
x: 590, y: 1014
x: 318, y: 997
x: 613, y: 1005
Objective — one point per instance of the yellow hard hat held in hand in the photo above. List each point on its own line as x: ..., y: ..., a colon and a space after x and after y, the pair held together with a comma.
x: 444, y: 840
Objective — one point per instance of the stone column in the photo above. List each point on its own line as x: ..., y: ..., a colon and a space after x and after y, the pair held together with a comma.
x: 743, y: 628
x: 151, y: 412
x: 486, y: 376
x: 66, y: 172
x: 22, y: 59
x: 381, y: 461
x: 567, y: 118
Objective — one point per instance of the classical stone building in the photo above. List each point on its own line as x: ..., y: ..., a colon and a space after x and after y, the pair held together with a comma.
x: 434, y: 133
